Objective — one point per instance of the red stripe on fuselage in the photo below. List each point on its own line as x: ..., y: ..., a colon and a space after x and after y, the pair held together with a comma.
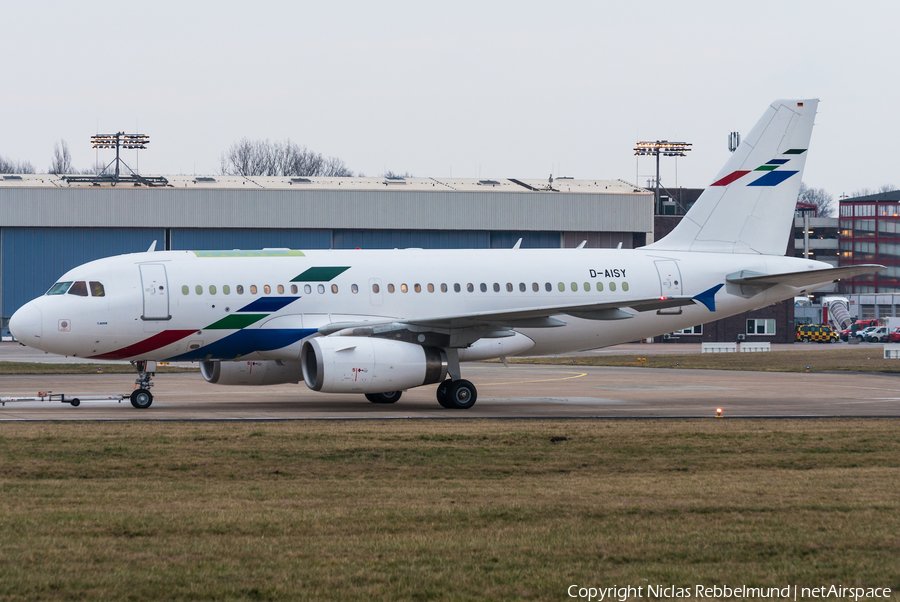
x: 730, y: 178
x: 155, y: 342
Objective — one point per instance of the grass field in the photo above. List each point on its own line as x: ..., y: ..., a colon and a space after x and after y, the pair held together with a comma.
x: 836, y: 358
x: 443, y: 510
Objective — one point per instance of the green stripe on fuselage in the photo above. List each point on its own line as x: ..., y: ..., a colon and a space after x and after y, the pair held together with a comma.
x: 236, y: 321
x: 323, y: 274
x: 238, y: 253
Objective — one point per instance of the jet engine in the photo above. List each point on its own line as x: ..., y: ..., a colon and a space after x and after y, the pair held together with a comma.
x: 251, y: 373
x: 369, y: 365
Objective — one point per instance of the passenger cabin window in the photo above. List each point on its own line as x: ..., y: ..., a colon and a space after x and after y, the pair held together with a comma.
x: 390, y: 288
x: 536, y: 287
x: 240, y: 289
x: 307, y: 289
x: 252, y: 289
x: 59, y: 288
x: 404, y: 288
x: 334, y: 288
x: 496, y: 287
x: 212, y: 289
x: 456, y: 288
x: 226, y: 289
x: 185, y: 290
x: 97, y: 289
x: 375, y: 288
x: 267, y: 289
x: 293, y: 289
x: 354, y: 289
x: 443, y: 288
x: 198, y: 289
x: 280, y: 289
x: 79, y: 288
x: 321, y: 289
x: 430, y: 288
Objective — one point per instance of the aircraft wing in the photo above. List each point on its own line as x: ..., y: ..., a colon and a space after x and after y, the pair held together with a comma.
x: 534, y: 317
x: 804, y: 278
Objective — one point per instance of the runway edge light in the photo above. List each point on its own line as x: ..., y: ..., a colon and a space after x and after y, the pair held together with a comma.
x: 718, y: 412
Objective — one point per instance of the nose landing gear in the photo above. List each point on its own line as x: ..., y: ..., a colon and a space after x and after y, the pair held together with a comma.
x: 141, y: 397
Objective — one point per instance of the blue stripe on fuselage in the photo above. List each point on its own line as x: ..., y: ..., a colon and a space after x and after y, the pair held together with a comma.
x: 245, y: 342
x: 269, y: 304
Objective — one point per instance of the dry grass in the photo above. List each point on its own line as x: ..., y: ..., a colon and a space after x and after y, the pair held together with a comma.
x: 460, y: 510
x: 840, y: 358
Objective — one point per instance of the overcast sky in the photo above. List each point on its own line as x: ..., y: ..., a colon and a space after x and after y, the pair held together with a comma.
x: 490, y: 89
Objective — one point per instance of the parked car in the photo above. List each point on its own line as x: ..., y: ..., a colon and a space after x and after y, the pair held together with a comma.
x: 878, y: 334
x: 816, y: 333
x: 894, y: 336
x: 862, y: 334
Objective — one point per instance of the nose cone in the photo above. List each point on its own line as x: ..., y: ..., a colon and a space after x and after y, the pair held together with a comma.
x: 25, y: 324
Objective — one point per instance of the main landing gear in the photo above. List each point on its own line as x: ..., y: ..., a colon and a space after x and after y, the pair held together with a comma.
x: 141, y: 397
x: 456, y: 393
x: 389, y: 397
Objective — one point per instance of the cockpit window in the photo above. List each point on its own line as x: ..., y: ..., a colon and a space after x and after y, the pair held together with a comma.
x: 79, y: 288
x: 59, y: 288
x: 97, y: 289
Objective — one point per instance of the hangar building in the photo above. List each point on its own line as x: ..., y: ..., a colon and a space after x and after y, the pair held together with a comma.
x: 49, y: 224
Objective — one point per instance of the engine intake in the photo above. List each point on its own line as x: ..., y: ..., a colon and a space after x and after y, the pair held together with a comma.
x: 251, y: 373
x: 369, y: 365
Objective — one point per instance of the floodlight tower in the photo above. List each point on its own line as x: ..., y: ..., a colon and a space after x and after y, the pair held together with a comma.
x: 664, y: 148
x: 117, y: 141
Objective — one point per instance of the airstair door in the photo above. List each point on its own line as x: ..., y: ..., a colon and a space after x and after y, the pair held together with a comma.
x: 670, y: 284
x: 155, y: 288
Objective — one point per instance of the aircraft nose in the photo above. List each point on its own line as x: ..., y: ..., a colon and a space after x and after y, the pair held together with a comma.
x: 25, y: 324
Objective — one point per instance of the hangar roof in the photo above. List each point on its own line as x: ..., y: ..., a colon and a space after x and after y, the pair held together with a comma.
x: 594, y: 186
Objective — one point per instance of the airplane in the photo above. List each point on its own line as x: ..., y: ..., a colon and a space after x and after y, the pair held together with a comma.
x: 379, y: 322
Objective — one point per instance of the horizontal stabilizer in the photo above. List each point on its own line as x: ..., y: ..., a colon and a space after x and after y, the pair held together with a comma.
x: 804, y: 278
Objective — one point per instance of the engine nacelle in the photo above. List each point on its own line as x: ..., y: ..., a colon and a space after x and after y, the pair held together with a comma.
x: 251, y: 373
x: 369, y: 365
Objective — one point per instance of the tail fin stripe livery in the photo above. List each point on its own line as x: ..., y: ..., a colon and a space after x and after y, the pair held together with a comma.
x: 773, y: 178
x: 755, y: 215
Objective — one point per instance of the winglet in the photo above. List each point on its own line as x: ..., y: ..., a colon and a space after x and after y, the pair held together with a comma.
x: 708, y: 297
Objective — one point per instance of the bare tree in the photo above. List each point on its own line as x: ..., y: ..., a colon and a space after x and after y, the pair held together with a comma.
x: 887, y: 188
x: 8, y: 166
x: 62, y: 159
x: 818, y: 197
x: 866, y: 191
x: 396, y: 174
x: 266, y: 158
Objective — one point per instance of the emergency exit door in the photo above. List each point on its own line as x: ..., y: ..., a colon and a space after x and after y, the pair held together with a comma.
x: 155, y: 288
x: 670, y: 284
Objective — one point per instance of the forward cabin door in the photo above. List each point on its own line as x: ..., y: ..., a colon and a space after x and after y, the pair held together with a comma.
x: 670, y: 284
x: 155, y: 289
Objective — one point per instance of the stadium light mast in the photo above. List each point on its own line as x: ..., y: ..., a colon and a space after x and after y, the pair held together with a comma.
x: 117, y: 141
x: 657, y: 149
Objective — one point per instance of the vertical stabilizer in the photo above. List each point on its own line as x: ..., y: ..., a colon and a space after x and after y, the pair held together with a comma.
x: 749, y: 207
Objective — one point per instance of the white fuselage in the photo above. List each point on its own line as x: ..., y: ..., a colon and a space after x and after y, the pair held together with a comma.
x: 228, y: 307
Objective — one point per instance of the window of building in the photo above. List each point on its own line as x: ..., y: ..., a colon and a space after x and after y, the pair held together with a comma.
x: 864, y: 210
x: 760, y: 326
x: 888, y: 228
x: 864, y: 227
x: 889, y: 210
x: 690, y: 330
x: 846, y: 210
